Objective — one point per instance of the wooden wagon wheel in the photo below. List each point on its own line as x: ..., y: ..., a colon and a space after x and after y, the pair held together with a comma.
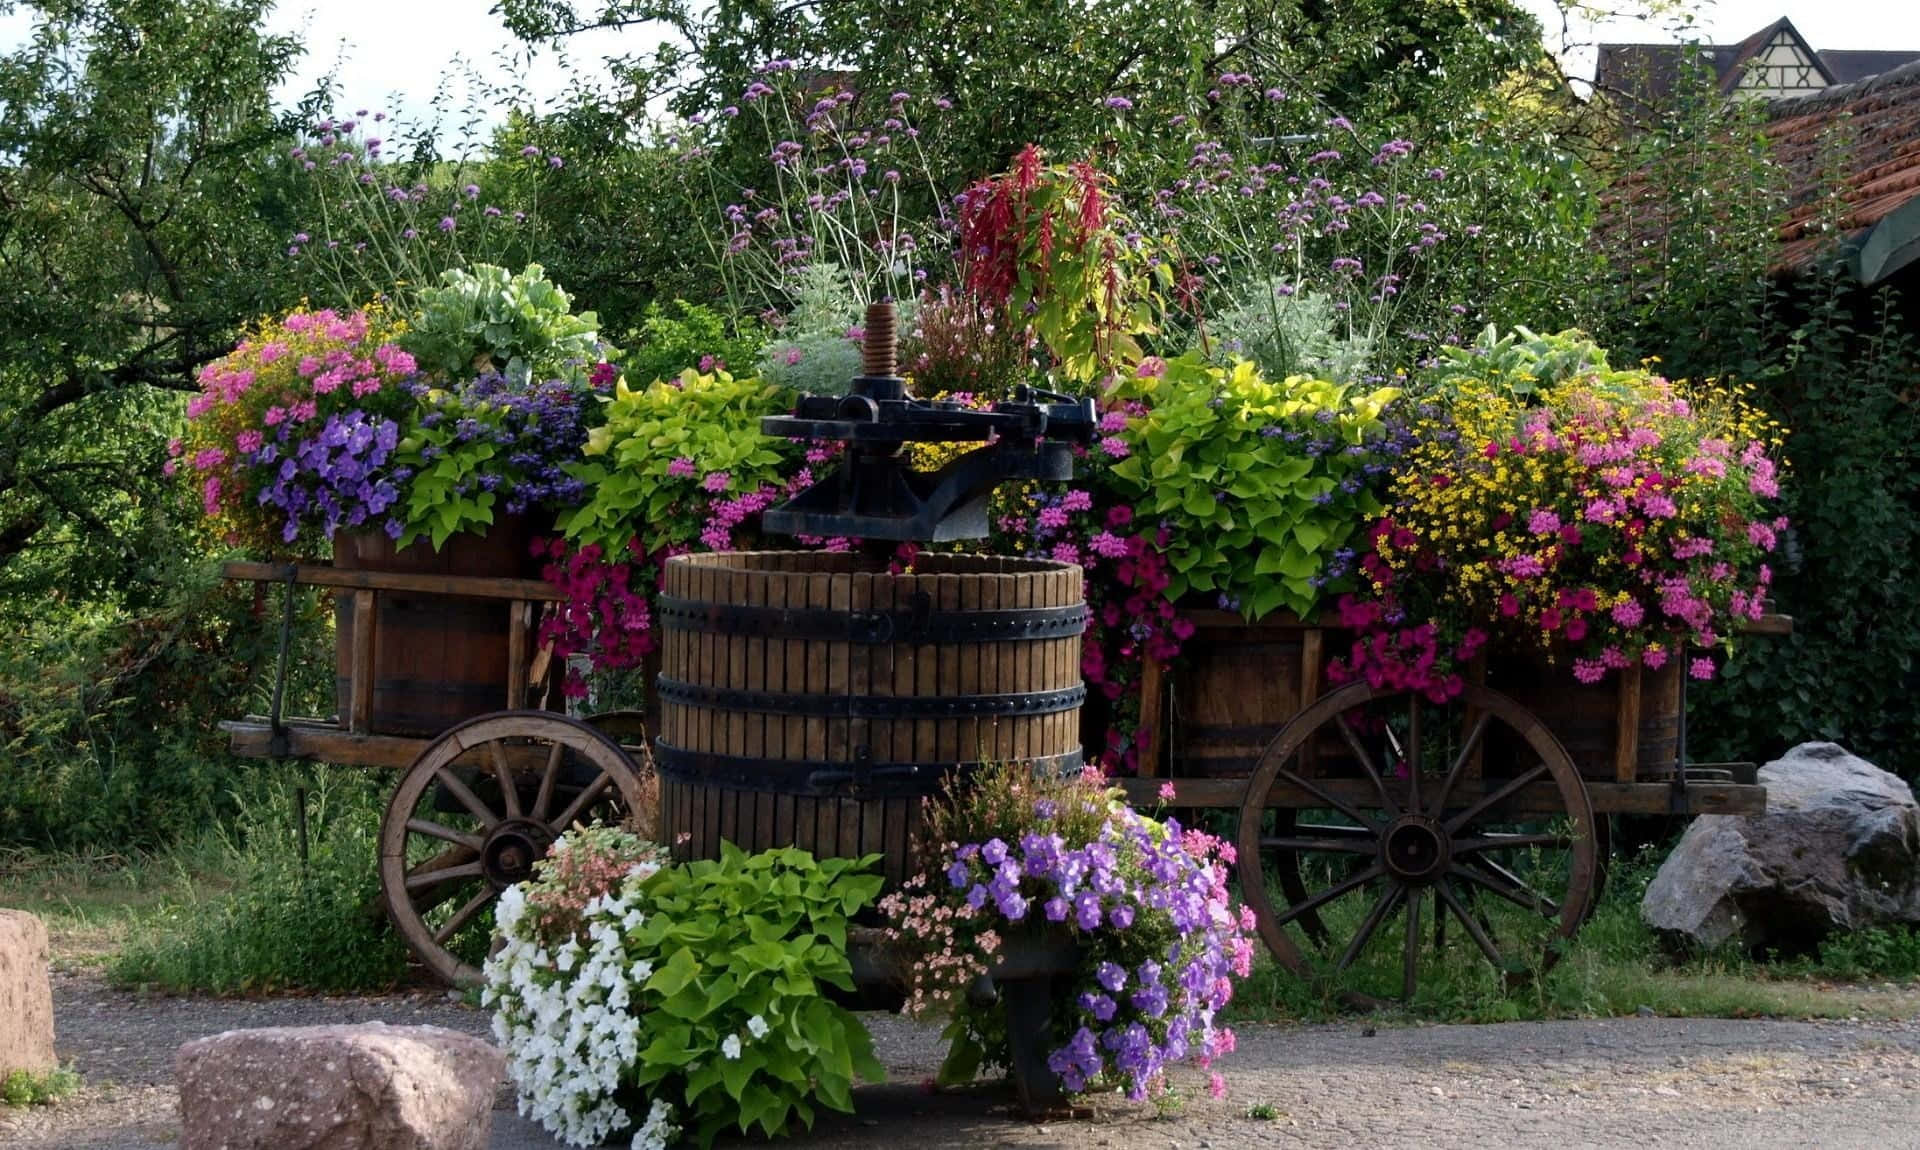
x: 481, y: 804
x: 1390, y: 812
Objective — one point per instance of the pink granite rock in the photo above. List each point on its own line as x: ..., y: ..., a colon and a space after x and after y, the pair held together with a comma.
x: 26, y: 995
x: 366, y: 1087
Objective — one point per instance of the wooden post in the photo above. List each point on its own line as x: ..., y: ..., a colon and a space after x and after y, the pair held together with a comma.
x: 1152, y: 693
x: 1312, y: 664
x: 516, y: 654
x: 1477, y: 674
x: 1626, y: 724
x: 360, y: 693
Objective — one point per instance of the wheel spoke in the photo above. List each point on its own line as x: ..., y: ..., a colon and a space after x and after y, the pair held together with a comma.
x: 1345, y: 808
x: 1334, y: 831
x: 1507, y: 885
x: 1467, y: 749
x: 1412, y: 752
x: 582, y: 801
x: 1366, y: 764
x: 509, y: 796
x: 1381, y: 909
x: 460, y: 917
x: 419, y: 879
x: 444, y: 833
x: 1488, y: 802
x: 1410, y: 961
x: 1326, y: 896
x: 468, y: 799
x: 1340, y: 846
x: 550, y: 775
x: 1500, y: 842
x: 1474, y: 929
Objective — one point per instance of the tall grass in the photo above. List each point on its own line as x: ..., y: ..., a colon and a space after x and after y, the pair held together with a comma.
x: 286, y: 923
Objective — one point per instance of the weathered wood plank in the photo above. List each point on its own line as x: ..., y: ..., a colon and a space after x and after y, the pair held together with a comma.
x: 360, y: 657
x: 457, y: 586
x: 1608, y: 798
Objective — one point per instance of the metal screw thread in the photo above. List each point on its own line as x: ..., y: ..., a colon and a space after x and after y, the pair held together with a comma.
x: 879, y: 351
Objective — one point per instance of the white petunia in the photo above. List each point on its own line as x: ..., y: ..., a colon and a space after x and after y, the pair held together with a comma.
x: 757, y: 1026
x: 731, y: 1046
x: 642, y: 970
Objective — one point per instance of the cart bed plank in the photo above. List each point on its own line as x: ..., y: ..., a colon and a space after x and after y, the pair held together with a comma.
x: 459, y: 586
x: 323, y: 741
x: 1608, y: 798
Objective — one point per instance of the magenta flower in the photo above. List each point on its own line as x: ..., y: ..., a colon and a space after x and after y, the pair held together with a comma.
x: 716, y: 481
x: 682, y: 468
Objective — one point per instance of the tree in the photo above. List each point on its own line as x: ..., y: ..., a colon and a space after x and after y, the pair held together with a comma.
x: 1042, y: 73
x: 136, y: 218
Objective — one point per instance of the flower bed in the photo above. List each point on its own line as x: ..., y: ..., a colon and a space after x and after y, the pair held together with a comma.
x: 634, y: 994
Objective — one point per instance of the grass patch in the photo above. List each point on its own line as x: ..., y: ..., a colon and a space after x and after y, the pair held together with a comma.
x: 25, y: 1088
x: 1614, y: 966
x: 93, y: 901
x: 285, y: 923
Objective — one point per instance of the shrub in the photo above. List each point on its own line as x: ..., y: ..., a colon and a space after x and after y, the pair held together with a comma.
x: 682, y: 335
x: 1261, y: 481
x: 683, y: 996
x: 518, y: 324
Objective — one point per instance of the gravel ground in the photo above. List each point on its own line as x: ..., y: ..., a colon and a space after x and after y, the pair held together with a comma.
x: 1623, y: 1082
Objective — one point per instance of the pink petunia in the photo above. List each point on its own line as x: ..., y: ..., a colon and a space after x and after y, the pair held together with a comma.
x: 1701, y: 668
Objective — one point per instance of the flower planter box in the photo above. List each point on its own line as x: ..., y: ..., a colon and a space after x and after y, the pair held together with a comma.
x: 1233, y: 687
x: 437, y: 658
x: 1626, y: 728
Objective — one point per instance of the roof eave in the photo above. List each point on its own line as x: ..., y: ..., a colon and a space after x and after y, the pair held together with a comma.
x: 1890, y: 245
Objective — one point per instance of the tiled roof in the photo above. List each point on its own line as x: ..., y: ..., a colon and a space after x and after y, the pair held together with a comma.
x: 1859, y: 141
x: 1871, y: 129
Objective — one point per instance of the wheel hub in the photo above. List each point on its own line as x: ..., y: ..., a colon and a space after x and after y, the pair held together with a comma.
x: 1415, y: 849
x: 511, y: 849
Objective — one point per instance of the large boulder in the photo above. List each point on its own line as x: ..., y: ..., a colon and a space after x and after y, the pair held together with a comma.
x: 1837, y: 849
x: 365, y: 1087
x: 26, y: 995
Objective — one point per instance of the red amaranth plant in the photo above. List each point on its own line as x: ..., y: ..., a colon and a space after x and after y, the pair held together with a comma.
x: 1038, y: 243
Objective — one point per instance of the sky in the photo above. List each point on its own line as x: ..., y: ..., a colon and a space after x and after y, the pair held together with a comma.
x: 393, y: 53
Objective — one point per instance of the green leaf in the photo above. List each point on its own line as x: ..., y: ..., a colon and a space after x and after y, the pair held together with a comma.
x: 679, y: 970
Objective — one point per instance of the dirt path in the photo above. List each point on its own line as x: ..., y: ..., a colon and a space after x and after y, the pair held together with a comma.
x: 1634, y: 1082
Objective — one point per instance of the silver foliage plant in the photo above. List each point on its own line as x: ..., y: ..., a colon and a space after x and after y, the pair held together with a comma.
x: 1288, y: 332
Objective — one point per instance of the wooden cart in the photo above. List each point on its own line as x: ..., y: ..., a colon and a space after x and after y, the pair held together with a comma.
x: 1356, y: 806
x: 478, y: 803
